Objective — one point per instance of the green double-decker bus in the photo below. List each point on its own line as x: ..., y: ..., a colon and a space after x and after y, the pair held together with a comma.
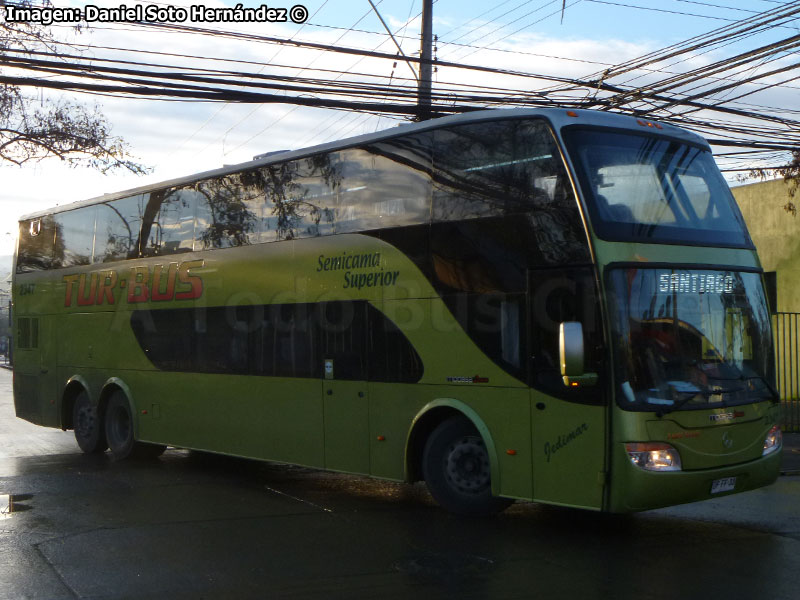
x: 552, y: 305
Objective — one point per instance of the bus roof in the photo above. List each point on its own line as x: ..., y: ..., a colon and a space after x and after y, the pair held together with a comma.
x: 559, y: 117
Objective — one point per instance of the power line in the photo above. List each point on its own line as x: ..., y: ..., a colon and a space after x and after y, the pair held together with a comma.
x: 661, y: 10
x: 674, y: 98
x: 523, y: 28
x: 224, y: 106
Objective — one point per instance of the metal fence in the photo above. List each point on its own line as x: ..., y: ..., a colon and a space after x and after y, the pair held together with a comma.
x: 786, y: 328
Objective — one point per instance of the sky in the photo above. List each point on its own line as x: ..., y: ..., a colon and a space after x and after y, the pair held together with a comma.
x: 175, y: 139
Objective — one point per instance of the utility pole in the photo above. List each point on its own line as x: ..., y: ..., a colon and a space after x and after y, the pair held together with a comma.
x: 425, y: 65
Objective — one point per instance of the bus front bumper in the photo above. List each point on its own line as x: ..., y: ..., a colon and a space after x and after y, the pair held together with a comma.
x: 634, y: 489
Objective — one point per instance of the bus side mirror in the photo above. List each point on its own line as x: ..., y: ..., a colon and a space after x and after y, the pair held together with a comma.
x: 570, y: 351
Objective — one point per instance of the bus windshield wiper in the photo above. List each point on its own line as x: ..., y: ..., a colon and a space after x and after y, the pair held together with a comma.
x: 681, y: 397
x: 775, y: 395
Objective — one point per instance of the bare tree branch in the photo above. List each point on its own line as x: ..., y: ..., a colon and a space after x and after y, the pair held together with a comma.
x: 32, y: 129
x: 791, y: 176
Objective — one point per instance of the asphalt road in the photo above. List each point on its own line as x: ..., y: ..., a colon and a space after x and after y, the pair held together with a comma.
x: 195, y: 526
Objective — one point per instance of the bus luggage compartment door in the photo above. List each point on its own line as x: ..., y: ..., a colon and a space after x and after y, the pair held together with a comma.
x: 343, y: 348
x: 346, y: 426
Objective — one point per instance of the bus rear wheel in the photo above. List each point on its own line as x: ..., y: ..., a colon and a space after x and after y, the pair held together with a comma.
x: 87, y: 426
x: 119, y: 431
x: 457, y: 471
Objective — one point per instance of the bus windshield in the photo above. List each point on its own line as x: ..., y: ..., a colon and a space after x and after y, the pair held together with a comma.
x: 690, y: 338
x: 654, y: 189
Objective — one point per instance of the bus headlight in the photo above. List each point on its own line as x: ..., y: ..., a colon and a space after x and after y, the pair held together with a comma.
x: 773, y: 440
x: 654, y: 456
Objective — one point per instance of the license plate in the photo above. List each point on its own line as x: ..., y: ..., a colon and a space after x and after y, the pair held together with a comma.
x: 726, y: 484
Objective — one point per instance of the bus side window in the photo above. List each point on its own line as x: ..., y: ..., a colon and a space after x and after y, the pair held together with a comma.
x: 295, y: 348
x: 117, y: 231
x: 496, y: 168
x: 354, y: 210
x: 167, y: 338
x: 227, y: 212
x: 557, y: 296
x: 169, y: 222
x: 385, y: 185
x: 496, y: 323
x: 392, y: 358
x: 318, y: 178
x: 401, y: 190
x: 473, y: 165
x: 74, y: 241
x: 36, y: 244
x: 298, y: 198
x: 342, y: 338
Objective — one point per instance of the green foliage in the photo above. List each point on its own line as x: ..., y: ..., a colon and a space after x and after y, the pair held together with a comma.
x: 791, y: 175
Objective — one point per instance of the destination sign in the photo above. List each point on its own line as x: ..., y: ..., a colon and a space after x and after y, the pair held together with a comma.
x: 695, y: 283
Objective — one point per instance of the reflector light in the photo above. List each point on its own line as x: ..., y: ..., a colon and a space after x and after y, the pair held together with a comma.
x: 649, y: 124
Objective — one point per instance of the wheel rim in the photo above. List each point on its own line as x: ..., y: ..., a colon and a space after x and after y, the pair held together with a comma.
x: 86, y: 421
x: 467, y: 465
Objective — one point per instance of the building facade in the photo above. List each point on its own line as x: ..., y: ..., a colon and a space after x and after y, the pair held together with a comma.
x: 776, y: 234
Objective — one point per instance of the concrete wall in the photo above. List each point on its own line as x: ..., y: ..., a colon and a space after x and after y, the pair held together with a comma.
x: 776, y: 234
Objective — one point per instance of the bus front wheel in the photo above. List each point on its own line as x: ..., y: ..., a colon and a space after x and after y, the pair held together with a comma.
x: 87, y: 426
x: 119, y: 431
x: 457, y: 470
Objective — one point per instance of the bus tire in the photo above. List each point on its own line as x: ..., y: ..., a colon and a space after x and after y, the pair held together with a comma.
x: 89, y: 431
x: 457, y: 469
x: 119, y: 431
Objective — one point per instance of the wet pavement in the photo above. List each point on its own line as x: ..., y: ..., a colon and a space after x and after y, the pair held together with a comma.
x: 191, y: 525
x: 790, y: 462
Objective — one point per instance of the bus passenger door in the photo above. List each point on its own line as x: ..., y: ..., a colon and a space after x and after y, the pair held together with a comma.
x: 569, y: 424
x: 344, y: 387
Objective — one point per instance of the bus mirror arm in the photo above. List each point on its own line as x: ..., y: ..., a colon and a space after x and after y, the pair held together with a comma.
x: 570, y: 351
